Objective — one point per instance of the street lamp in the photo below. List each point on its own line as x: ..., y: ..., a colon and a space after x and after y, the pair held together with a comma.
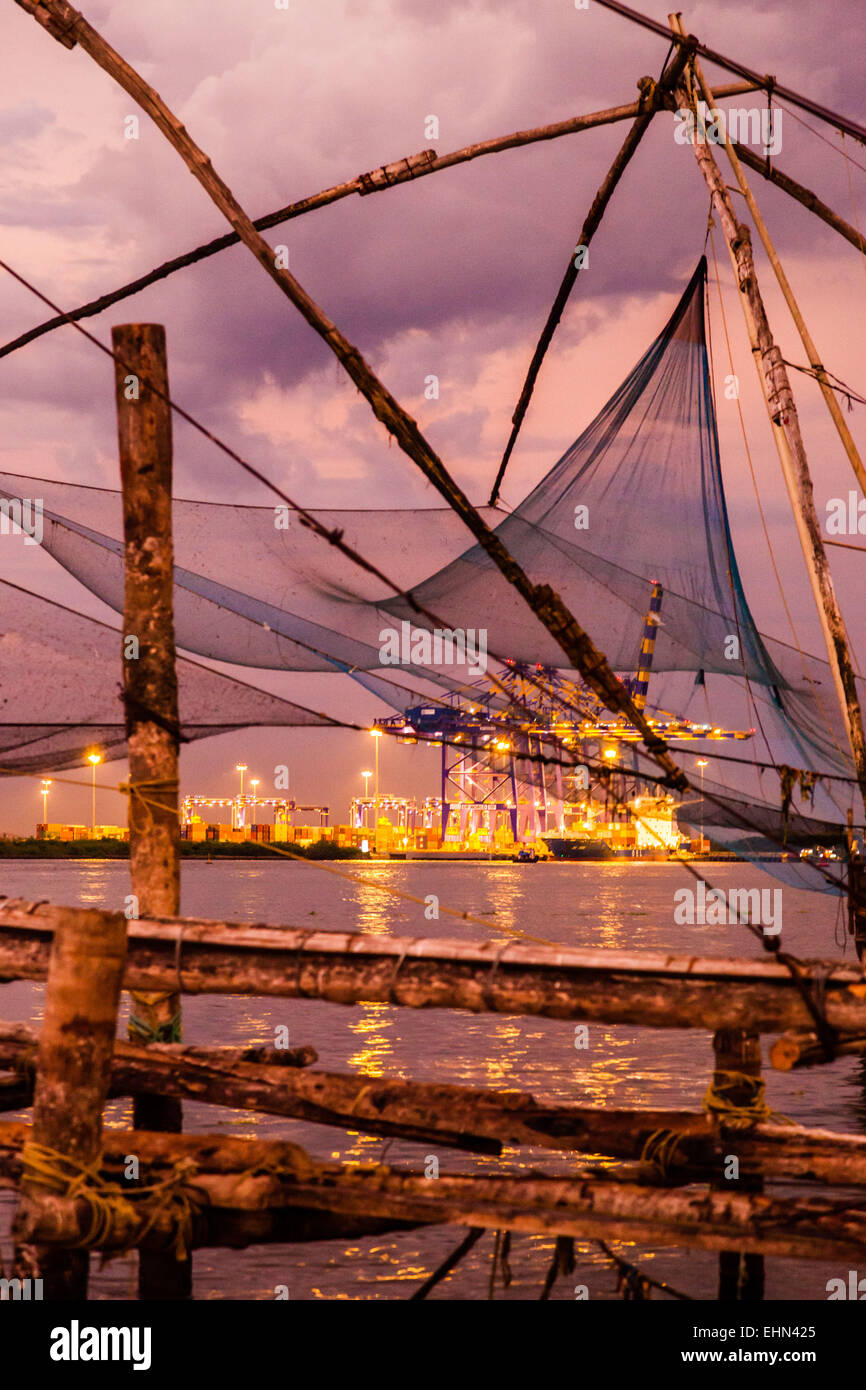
x: 254, y: 782
x: 702, y: 762
x: 46, y: 783
x: 94, y: 759
x: 241, y: 768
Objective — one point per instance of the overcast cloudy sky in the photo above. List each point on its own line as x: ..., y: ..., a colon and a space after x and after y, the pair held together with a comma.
x: 452, y: 275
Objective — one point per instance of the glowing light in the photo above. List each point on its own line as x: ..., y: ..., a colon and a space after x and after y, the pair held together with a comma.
x: 93, y: 758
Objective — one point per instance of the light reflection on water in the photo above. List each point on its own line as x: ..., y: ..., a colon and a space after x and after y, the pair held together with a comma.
x: 614, y: 905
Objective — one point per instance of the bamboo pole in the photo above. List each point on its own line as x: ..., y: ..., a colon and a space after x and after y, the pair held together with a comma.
x: 653, y: 988
x: 150, y: 697
x: 69, y: 27
x: 463, y: 1117
x: 587, y: 231
x: 406, y: 170
x: 825, y: 114
x: 787, y: 436
x: 231, y: 1209
x: 811, y: 351
x: 73, y: 1065
x: 803, y: 1048
x: 583, y: 1207
x: 805, y: 196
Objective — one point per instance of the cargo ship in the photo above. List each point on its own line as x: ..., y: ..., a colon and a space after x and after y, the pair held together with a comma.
x: 650, y: 832
x: 578, y: 847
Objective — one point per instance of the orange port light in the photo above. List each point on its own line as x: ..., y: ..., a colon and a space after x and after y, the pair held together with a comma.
x: 94, y: 759
x: 610, y: 752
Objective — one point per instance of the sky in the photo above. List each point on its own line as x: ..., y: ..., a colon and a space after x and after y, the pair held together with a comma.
x: 451, y: 276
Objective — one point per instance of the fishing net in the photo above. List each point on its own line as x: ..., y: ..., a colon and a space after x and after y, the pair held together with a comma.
x: 60, y: 690
x: 637, y: 499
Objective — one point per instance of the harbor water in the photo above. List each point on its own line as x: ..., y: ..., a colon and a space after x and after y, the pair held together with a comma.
x: 617, y: 905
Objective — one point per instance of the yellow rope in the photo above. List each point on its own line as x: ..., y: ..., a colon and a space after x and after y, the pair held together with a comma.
x: 739, y: 1114
x: 134, y: 792
x: 659, y: 1151
x: 109, y: 1205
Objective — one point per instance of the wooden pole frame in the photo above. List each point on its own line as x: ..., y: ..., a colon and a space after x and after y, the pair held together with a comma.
x: 69, y: 27
x: 785, y: 424
x: 470, y: 1118
x: 811, y: 351
x: 414, y: 167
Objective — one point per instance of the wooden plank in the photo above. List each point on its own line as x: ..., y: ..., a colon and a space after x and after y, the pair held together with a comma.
x: 651, y: 988
x: 462, y: 1117
x: 582, y: 1206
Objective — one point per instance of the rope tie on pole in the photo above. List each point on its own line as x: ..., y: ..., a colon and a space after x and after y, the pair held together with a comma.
x: 737, y: 1114
x: 137, y: 793
x: 659, y: 1151
x: 169, y: 1032
x: 108, y: 1204
x: 139, y: 713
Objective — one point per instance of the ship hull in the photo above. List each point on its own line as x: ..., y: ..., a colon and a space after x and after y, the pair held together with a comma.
x: 576, y: 847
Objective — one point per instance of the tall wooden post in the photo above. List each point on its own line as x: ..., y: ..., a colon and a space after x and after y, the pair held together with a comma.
x: 741, y: 1275
x: 784, y: 284
x: 150, y: 695
x: 73, y: 1070
x: 785, y: 423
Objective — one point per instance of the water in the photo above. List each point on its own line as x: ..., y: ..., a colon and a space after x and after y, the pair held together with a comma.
x: 613, y: 905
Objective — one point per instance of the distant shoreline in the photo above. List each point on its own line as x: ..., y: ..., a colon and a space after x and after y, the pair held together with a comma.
x: 31, y: 848
x: 212, y: 850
